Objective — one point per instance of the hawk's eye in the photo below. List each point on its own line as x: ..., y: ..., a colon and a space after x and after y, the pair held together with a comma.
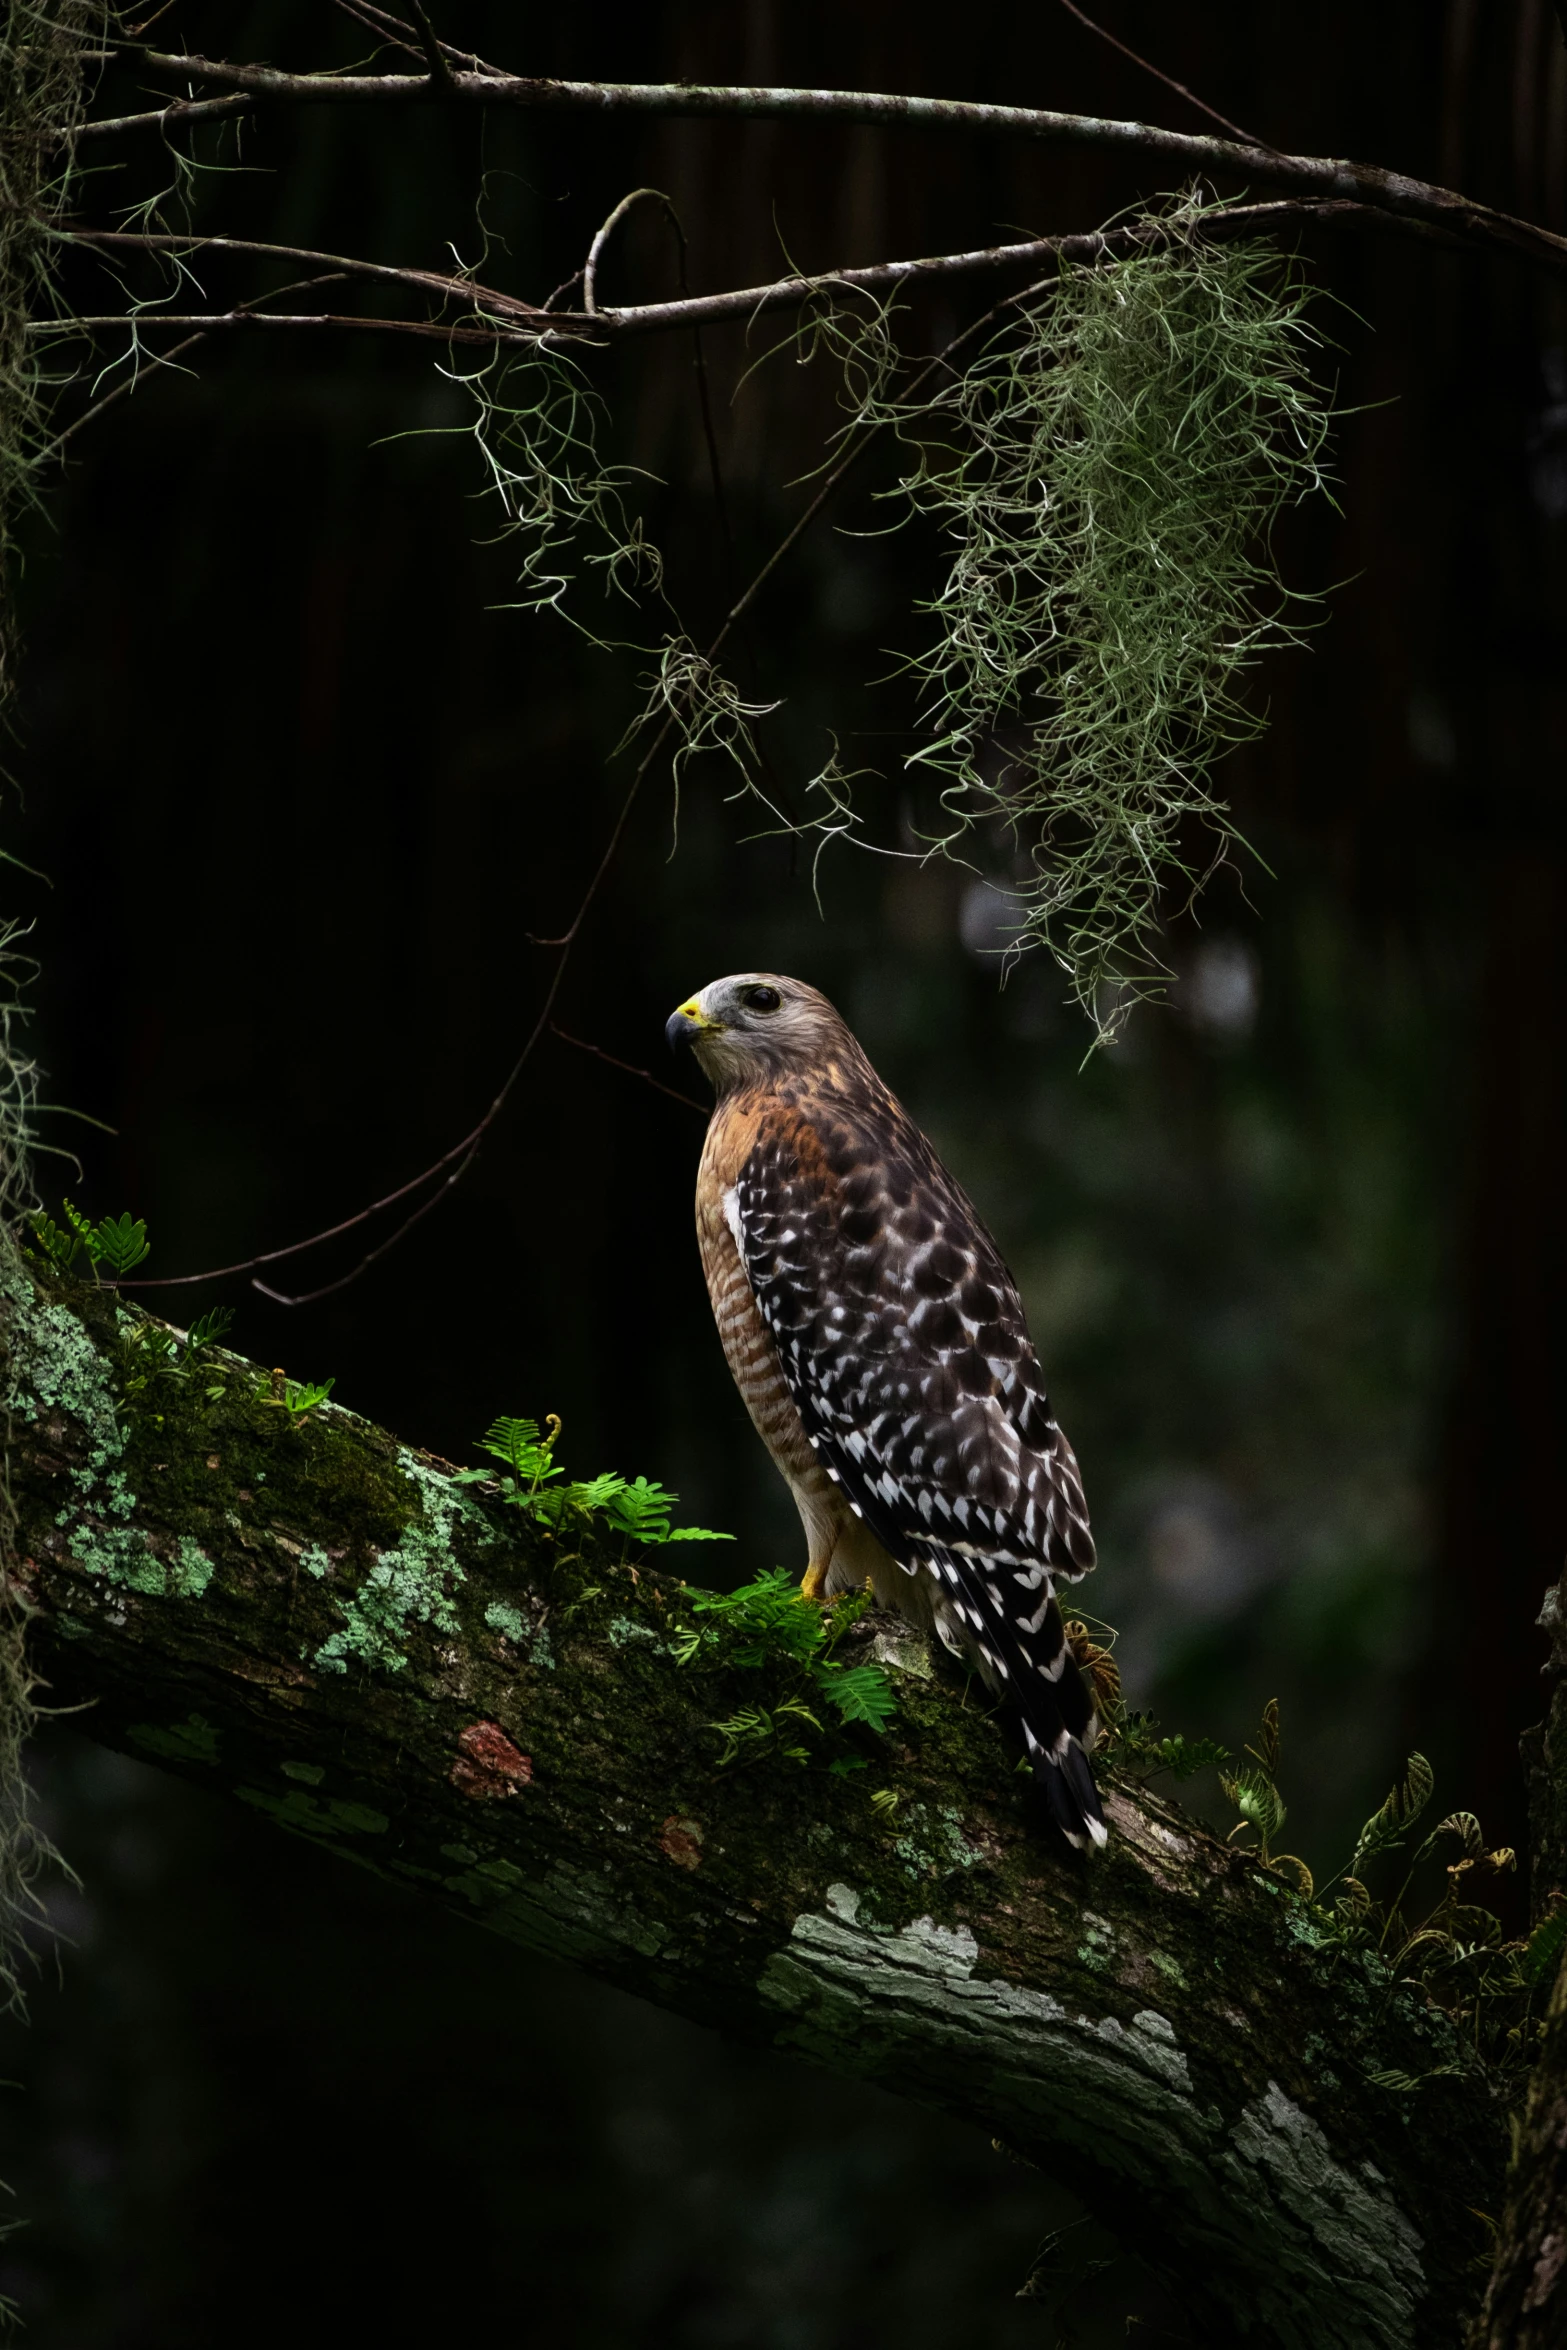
x: 763, y: 999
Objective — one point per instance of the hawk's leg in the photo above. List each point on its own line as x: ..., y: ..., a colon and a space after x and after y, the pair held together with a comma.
x: 830, y: 1578
x: 845, y: 1556
x: 823, y: 1526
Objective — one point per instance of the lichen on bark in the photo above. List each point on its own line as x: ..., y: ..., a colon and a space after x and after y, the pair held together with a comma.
x: 389, y: 1663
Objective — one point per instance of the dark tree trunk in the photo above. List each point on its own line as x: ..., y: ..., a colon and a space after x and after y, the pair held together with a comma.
x: 1526, y: 2306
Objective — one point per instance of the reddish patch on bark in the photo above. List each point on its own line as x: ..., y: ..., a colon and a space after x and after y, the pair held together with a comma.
x: 487, y: 1764
x: 681, y: 1842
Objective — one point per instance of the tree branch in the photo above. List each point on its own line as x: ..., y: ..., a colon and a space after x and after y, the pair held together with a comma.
x: 324, y: 1625
x: 1321, y: 177
x: 518, y: 322
x: 440, y: 70
x: 433, y: 282
x: 407, y: 36
x: 215, y: 321
x: 1082, y: 248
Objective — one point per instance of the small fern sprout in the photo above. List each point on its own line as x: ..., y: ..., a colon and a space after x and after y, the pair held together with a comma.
x: 636, y: 1508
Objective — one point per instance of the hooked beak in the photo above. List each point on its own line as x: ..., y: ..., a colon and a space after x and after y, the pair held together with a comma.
x: 684, y: 1026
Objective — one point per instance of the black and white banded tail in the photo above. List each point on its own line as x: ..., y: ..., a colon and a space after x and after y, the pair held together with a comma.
x: 1032, y: 1662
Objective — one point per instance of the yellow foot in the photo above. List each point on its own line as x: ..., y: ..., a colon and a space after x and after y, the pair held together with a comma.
x: 813, y: 1584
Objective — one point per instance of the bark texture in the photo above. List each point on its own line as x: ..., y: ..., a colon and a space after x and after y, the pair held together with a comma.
x: 321, y: 1623
x: 1526, y: 2304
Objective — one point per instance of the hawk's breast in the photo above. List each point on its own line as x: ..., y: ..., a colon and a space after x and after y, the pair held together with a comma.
x: 902, y: 1337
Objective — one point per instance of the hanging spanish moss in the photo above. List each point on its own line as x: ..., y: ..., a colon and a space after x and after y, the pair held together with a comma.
x: 1122, y: 455
x: 44, y: 52
x: 43, y: 55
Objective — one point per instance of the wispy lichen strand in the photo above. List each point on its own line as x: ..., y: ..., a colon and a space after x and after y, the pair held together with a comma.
x: 1111, y: 470
x: 43, y: 52
x: 536, y: 422
x: 44, y: 48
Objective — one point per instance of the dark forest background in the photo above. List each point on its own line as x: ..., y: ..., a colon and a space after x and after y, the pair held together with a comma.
x: 1293, y: 1252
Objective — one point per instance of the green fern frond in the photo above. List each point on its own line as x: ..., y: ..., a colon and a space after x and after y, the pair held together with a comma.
x: 1259, y: 1803
x: 1182, y: 1757
x: 61, y: 1248
x: 1387, y: 1828
x: 120, y: 1243
x: 859, y: 1693
x: 604, y: 1496
x: 751, y: 1725
x: 208, y: 1328
x: 1543, y: 1950
x: 524, y: 1447
x: 767, y: 1623
x: 636, y: 1508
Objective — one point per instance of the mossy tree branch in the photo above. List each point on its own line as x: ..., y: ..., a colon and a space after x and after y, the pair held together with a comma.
x: 325, y: 1625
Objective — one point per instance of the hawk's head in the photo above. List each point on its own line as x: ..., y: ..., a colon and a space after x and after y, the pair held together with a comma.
x: 750, y: 1028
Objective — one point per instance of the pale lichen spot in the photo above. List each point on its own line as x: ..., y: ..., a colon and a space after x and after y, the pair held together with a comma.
x: 410, y: 1585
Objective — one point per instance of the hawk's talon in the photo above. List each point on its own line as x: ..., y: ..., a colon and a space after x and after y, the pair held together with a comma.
x: 813, y: 1583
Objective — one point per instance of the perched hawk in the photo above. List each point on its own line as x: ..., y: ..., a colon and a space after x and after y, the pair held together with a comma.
x: 882, y: 1352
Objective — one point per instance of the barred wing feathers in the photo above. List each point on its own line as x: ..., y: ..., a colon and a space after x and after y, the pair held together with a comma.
x: 904, y: 1345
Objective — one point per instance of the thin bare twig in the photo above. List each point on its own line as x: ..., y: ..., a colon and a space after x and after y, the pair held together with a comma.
x: 1249, y: 138
x: 395, y: 29
x: 590, y: 268
x: 174, y: 116
x: 440, y: 70
x: 406, y: 36
x: 468, y: 1149
x: 589, y: 281
x: 149, y: 359
x: 464, y: 290
x: 564, y: 287
x: 462, y: 1154
x: 152, y: 359
x: 631, y: 1069
x: 215, y: 321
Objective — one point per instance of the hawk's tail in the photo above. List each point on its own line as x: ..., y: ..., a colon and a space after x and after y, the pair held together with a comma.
x: 1031, y: 1660
x: 1058, y: 1731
